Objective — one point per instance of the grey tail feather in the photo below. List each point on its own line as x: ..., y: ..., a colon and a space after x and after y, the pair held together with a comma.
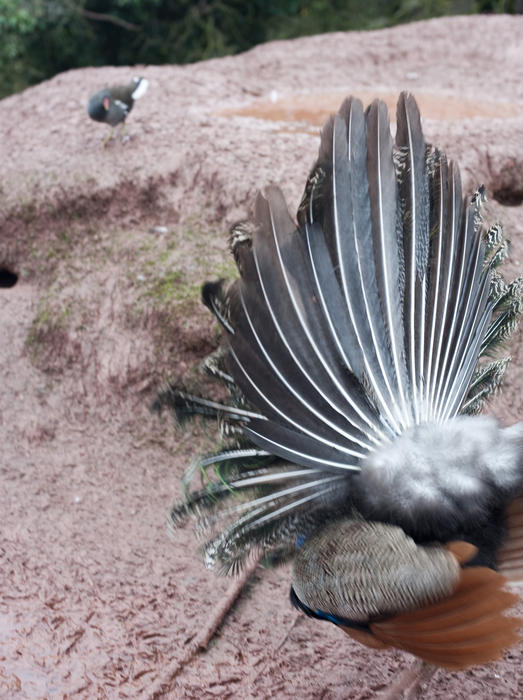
x: 372, y: 314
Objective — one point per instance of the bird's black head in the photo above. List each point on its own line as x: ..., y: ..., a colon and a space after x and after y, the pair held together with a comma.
x: 98, y: 105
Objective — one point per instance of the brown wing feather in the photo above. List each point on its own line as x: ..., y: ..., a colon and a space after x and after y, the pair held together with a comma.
x: 465, y: 629
x: 463, y: 551
x: 475, y: 580
x: 366, y: 638
x: 510, y: 558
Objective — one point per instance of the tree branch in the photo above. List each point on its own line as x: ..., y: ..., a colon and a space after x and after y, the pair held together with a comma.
x: 164, y: 682
x: 102, y: 17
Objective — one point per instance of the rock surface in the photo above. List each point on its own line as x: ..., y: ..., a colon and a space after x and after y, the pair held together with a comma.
x: 111, y: 245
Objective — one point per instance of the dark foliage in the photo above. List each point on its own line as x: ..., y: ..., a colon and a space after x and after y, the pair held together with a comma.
x: 43, y: 37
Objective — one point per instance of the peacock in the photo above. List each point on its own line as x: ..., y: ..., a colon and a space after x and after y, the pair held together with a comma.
x: 359, y: 345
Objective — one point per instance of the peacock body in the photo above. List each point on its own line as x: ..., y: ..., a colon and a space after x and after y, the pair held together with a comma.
x: 359, y: 346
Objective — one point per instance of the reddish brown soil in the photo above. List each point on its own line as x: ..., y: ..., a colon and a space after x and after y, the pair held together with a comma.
x: 95, y: 600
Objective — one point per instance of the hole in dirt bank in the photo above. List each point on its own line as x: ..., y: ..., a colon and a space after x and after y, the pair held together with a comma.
x: 8, y: 278
x: 509, y: 196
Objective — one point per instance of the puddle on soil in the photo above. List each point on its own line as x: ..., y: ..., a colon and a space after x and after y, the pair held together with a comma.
x: 313, y: 109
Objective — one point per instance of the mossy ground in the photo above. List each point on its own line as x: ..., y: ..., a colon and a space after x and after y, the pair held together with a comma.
x: 132, y: 281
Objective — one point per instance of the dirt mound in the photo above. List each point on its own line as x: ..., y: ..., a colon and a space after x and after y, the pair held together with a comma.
x: 110, y: 245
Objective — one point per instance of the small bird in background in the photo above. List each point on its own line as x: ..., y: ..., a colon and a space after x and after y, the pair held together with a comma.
x: 113, y: 104
x: 358, y: 350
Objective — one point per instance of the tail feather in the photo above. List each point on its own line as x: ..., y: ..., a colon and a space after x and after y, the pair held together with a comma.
x: 291, y: 296
x: 413, y: 200
x: 472, y: 311
x: 352, y: 256
x: 352, y: 340
x: 282, y: 354
x: 141, y: 88
x: 450, y: 221
x: 471, y: 348
x: 390, y: 274
x: 439, y: 268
